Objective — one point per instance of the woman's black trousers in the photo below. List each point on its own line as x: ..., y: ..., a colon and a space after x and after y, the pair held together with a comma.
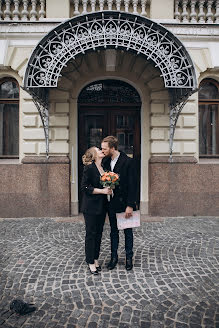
x: 94, y: 228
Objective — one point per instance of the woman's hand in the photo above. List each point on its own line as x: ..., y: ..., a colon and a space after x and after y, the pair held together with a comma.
x: 104, y: 191
x: 107, y: 191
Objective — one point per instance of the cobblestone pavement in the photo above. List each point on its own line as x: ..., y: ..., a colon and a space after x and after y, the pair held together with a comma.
x: 173, y: 283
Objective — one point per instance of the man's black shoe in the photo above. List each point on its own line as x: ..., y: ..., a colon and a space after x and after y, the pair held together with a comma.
x: 128, y: 264
x: 111, y: 265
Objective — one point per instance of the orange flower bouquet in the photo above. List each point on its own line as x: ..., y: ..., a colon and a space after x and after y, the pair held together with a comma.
x: 111, y: 180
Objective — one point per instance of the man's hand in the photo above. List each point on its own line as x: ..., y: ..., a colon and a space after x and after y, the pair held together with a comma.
x: 128, y: 212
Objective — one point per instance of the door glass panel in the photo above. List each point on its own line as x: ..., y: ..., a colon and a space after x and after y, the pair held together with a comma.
x: 94, y: 125
x: 125, y: 132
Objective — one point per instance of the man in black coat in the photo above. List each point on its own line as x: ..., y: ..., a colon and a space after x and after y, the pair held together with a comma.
x: 124, y: 197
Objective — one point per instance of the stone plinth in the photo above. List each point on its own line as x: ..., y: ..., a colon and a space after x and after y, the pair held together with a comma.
x: 36, y: 188
x: 183, y: 188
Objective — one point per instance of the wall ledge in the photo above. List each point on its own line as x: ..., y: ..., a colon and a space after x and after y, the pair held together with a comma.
x: 44, y: 160
x: 176, y: 159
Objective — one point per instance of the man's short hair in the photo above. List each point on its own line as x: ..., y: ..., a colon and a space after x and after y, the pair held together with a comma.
x: 112, y: 142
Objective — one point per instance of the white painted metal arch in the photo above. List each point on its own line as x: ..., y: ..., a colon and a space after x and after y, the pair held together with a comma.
x: 110, y: 29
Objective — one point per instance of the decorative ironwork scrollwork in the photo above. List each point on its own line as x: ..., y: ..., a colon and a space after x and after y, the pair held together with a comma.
x: 111, y: 29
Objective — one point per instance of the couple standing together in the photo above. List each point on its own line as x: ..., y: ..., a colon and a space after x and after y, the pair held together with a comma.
x: 95, y: 204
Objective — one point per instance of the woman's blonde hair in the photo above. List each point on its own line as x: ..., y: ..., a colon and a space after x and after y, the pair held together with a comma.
x: 89, y: 156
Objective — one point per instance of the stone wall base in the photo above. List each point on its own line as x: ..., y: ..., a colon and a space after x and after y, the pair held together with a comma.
x: 183, y: 187
x: 40, y: 188
x: 36, y: 188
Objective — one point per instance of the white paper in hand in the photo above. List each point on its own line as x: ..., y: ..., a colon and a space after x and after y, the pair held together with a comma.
x: 132, y: 222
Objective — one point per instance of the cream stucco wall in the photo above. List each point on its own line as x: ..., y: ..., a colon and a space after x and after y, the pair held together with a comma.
x: 33, y: 132
x: 186, y: 136
x: 57, y: 8
x: 162, y: 9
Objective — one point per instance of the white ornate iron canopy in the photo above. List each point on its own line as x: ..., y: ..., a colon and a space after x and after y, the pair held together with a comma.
x: 110, y: 29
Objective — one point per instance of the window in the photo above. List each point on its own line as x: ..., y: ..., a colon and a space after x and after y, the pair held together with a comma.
x: 209, y: 118
x: 9, y: 118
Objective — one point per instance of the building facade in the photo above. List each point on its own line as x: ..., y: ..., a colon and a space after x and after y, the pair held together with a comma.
x: 72, y: 72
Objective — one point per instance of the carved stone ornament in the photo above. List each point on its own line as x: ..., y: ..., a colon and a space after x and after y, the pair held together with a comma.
x: 112, y: 29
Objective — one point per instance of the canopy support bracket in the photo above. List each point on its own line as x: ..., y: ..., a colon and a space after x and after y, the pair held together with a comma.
x: 176, y: 106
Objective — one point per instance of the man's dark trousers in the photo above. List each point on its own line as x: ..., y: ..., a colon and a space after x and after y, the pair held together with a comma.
x: 114, y: 236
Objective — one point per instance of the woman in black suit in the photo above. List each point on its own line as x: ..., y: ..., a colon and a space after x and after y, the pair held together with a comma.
x: 94, y: 205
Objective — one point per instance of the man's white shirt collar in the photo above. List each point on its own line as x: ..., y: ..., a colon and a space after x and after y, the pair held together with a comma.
x: 113, y: 162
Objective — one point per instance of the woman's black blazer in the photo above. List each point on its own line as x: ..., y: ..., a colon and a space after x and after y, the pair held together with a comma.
x: 92, y: 204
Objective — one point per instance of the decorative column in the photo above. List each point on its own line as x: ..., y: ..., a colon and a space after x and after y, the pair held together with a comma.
x: 185, y: 12
x: 33, y: 12
x: 24, y: 13
x: 209, y: 13
x: 84, y: 6
x: 110, y: 4
x: 217, y: 12
x: 201, y: 14
x: 101, y: 5
x: 193, y: 14
x: 42, y: 9
x: 118, y: 4
x: 126, y: 3
x: 16, y: 12
x: 7, y: 11
x: 93, y: 5
x: 143, y: 8
x: 177, y: 13
x: 76, y: 4
x: 135, y: 5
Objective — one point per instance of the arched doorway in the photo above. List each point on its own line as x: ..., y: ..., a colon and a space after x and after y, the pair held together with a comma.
x: 109, y: 107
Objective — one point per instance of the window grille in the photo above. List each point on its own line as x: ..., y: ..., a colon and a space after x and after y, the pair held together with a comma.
x: 109, y: 91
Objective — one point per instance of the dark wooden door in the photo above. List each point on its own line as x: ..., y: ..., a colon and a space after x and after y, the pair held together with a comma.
x: 96, y: 122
